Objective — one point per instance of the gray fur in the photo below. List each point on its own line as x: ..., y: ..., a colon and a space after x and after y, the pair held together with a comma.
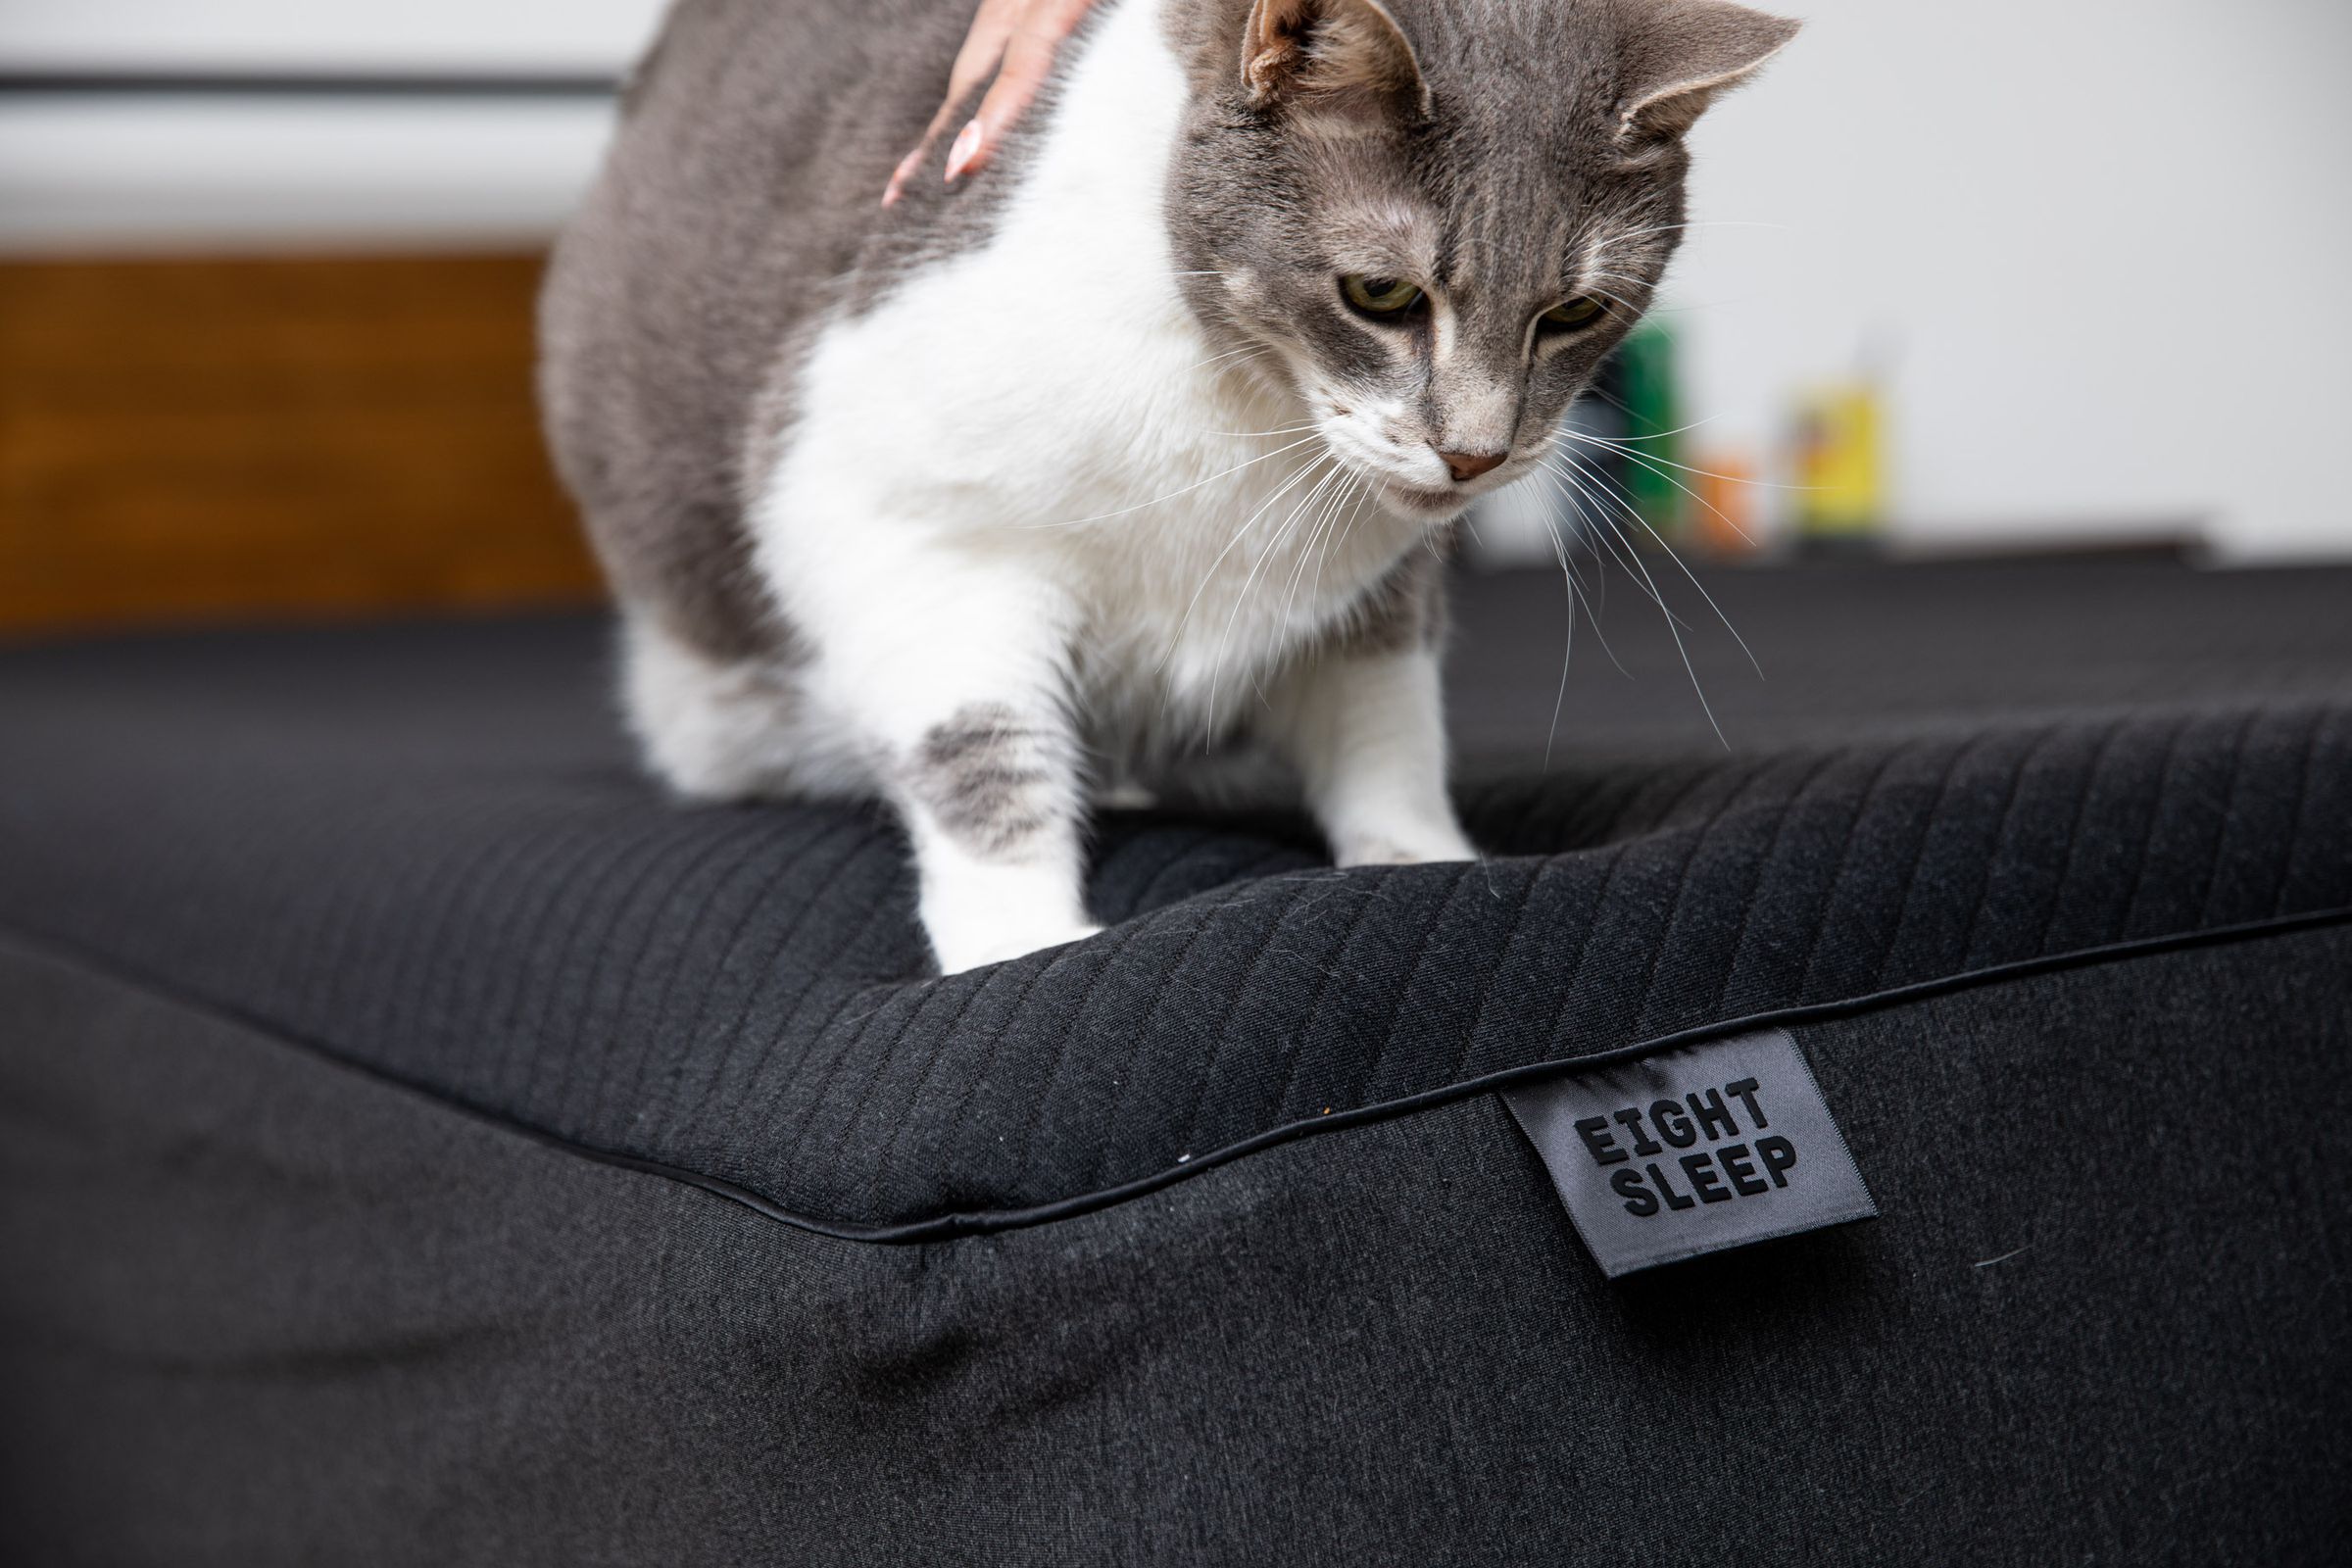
x: 991, y: 780
x: 738, y: 210
x: 1509, y: 151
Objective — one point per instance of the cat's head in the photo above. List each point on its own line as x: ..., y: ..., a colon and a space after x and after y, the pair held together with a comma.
x: 1439, y: 216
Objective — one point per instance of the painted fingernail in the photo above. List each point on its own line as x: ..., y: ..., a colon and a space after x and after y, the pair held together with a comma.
x: 966, y: 148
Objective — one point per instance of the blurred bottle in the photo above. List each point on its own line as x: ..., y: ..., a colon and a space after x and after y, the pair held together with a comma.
x: 1647, y: 390
x: 1840, y: 500
x: 1723, y: 512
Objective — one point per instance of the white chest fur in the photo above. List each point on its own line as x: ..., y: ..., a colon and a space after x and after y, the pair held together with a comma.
x: 1045, y: 409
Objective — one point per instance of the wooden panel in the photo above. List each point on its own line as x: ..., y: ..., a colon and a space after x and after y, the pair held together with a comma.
x: 199, y: 439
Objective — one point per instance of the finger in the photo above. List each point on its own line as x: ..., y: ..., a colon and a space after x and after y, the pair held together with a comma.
x: 962, y: 154
x: 909, y: 166
x: 937, y: 127
x: 983, y: 47
x: 1057, y: 18
x: 913, y: 163
x: 1028, y: 59
x: 1029, y: 53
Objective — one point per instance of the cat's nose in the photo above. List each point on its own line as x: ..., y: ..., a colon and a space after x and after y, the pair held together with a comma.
x: 1468, y: 466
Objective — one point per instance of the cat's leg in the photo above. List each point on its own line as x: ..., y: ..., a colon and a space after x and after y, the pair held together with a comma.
x: 958, y: 677
x: 1364, y: 722
x: 731, y: 728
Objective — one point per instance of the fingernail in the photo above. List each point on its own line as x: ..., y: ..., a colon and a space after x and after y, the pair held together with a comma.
x: 968, y: 146
x: 900, y: 175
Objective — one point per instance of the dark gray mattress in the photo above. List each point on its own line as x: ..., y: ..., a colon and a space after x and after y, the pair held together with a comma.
x: 2047, y: 867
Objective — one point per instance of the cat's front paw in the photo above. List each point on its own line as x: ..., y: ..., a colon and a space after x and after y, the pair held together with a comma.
x: 974, y: 951
x: 1401, y: 847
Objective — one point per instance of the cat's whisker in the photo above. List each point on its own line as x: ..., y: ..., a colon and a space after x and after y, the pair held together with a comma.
x: 1337, y: 529
x: 1563, y: 551
x: 1593, y: 282
x: 1559, y: 699
x: 1596, y: 598
x: 1216, y: 666
x: 1674, y: 629
x: 1343, y: 525
x: 1662, y: 466
x: 1631, y: 449
x: 1610, y: 537
x: 1342, y: 510
x: 1176, y: 638
x: 1291, y: 429
x: 1249, y: 350
x: 1340, y: 535
x: 1621, y: 549
x: 1105, y: 517
x: 1627, y: 444
x: 1600, y: 568
x: 1320, y: 523
x: 1651, y: 436
x: 1631, y: 307
x: 1237, y: 360
x: 1265, y: 373
x: 1634, y: 514
x: 1676, y: 229
x: 1319, y: 520
x: 1596, y: 509
x: 1298, y: 564
x: 1324, y: 523
x: 1266, y: 553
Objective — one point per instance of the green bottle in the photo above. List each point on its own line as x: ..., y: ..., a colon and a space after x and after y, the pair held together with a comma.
x: 1652, y: 418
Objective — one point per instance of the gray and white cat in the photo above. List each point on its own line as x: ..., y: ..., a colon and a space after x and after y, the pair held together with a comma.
x: 1138, y: 445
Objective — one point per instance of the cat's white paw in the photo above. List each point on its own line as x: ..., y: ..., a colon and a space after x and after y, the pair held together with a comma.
x: 976, y: 950
x: 1416, y: 846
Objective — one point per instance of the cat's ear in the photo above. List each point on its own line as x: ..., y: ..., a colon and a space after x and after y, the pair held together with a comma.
x: 1681, y: 55
x: 1332, y: 51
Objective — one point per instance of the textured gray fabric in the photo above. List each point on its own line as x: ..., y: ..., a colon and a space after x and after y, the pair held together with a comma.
x: 262, y: 1309
x: 258, y: 1306
x: 422, y: 851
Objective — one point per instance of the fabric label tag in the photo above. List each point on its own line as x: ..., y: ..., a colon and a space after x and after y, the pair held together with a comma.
x: 1692, y: 1151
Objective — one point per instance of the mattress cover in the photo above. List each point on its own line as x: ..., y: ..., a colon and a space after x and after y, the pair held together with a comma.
x: 423, y: 851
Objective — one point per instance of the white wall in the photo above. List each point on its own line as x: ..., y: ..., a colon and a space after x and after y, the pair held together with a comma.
x: 547, y: 36
x: 124, y: 174
x: 149, y: 171
x: 2104, y: 242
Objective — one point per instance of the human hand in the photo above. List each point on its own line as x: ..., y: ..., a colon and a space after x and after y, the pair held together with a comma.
x: 1014, y: 41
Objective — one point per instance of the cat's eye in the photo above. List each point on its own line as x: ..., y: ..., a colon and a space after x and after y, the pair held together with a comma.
x: 1574, y: 316
x: 1382, y: 297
